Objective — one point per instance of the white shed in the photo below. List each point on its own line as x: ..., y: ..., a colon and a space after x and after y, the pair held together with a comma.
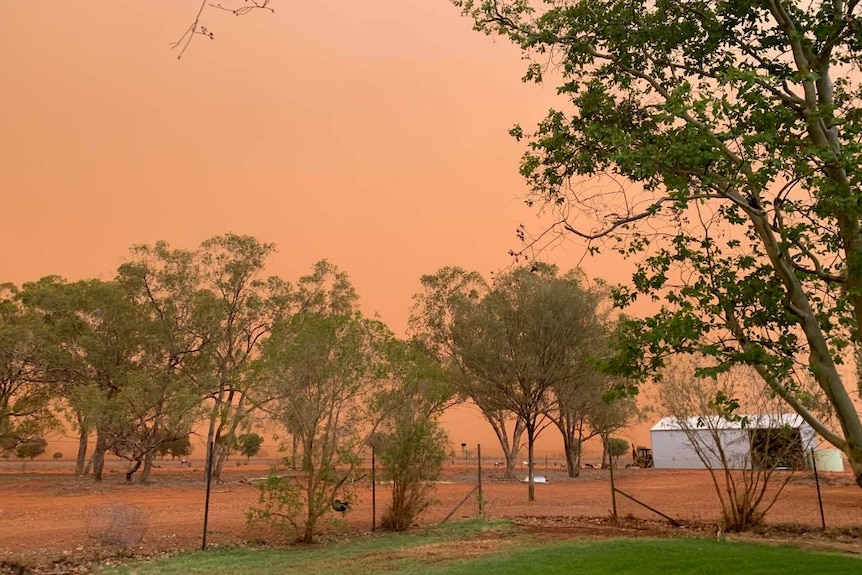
x: 783, y: 439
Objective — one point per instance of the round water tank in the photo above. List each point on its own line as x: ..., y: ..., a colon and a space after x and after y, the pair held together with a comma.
x: 828, y: 460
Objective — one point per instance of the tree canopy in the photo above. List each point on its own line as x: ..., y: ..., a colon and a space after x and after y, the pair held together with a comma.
x: 522, y: 348
x: 719, y: 144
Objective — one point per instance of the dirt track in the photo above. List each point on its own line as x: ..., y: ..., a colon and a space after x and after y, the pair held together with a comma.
x: 46, y: 514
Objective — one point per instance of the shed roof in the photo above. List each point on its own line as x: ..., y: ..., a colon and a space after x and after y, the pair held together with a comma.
x: 762, y: 421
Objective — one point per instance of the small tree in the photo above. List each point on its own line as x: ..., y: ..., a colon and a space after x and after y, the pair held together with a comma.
x: 412, y: 451
x: 179, y: 447
x: 617, y: 447
x: 410, y: 444
x: 320, y: 367
x: 31, y: 448
x: 744, y: 467
x: 249, y: 444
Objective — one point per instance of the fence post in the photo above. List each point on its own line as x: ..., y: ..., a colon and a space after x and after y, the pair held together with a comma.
x: 817, y: 483
x: 613, y: 485
x: 479, y: 458
x: 373, y: 493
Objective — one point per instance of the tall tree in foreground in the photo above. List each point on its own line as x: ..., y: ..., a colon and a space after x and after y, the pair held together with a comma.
x: 736, y: 129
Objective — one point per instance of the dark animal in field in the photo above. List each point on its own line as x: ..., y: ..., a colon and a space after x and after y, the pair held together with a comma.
x: 340, y: 506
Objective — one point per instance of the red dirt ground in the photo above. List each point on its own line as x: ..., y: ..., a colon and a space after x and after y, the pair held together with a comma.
x: 48, y: 516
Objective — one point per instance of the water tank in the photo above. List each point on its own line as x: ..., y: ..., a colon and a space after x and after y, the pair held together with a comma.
x: 828, y: 460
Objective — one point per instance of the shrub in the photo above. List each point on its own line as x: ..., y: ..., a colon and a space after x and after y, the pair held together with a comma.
x: 249, y: 444
x: 617, y: 447
x: 412, y: 450
x: 31, y: 448
x: 179, y: 447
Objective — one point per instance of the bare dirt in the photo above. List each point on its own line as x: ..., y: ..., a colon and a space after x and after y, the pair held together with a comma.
x: 55, y: 522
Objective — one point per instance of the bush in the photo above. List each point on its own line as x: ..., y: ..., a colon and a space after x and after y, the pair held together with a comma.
x: 179, y: 447
x: 617, y: 447
x: 57, y: 455
x: 249, y: 444
x: 412, y: 450
x: 31, y: 448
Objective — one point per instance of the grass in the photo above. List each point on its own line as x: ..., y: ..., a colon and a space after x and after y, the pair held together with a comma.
x: 484, y: 548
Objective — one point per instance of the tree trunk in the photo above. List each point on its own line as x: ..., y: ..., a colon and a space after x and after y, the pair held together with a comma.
x: 606, y: 456
x: 212, y: 435
x: 99, y: 454
x: 531, y: 484
x: 83, y: 441
x: 570, y: 425
x: 855, y: 458
x: 136, y: 464
x: 510, y: 450
x: 221, y: 452
x: 148, y: 467
x: 572, y: 448
x: 226, y: 440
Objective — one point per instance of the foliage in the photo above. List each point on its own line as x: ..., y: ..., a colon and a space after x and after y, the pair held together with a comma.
x: 98, y: 338
x: 409, y: 442
x: 31, y: 448
x: 587, y: 405
x: 213, y: 308
x: 279, y: 503
x: 412, y: 452
x: 617, y: 447
x: 179, y: 447
x: 318, y: 365
x: 431, y: 320
x: 25, y: 389
x: 718, y: 143
x: 249, y: 444
x: 526, y: 337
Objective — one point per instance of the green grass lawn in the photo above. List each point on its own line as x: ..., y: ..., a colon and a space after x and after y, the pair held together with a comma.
x: 491, y: 548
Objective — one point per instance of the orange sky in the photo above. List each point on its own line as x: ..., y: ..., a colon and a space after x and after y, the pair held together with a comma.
x: 373, y: 134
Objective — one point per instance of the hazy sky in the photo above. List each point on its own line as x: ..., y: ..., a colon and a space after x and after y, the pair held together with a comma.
x: 371, y: 133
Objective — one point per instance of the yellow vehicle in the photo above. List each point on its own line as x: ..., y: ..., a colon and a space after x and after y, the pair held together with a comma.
x: 643, y: 457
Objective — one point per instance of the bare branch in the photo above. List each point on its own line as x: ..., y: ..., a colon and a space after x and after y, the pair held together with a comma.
x: 250, y: 5
x: 197, y: 28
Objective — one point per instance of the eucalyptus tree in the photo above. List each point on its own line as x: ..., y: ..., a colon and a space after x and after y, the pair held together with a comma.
x: 585, y: 406
x: 579, y: 398
x: 443, y: 294
x: 319, y: 366
x: 522, y: 339
x: 239, y: 308
x: 165, y: 400
x: 26, y: 392
x: 211, y: 307
x: 723, y: 141
x: 97, y: 334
